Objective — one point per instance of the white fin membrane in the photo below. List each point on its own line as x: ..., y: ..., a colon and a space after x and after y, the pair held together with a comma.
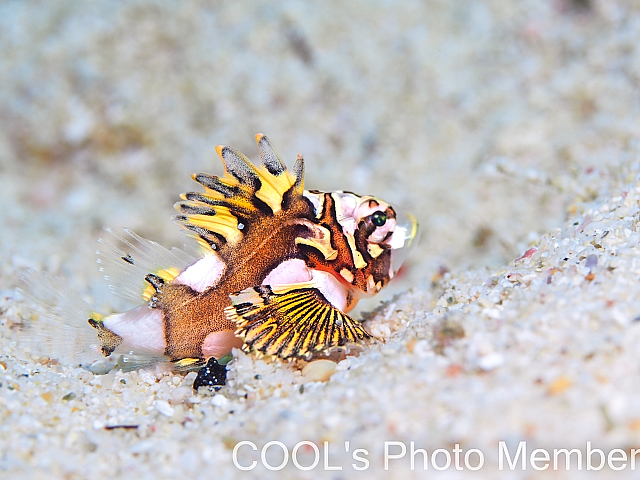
x: 58, y: 324
x: 127, y: 258
x: 137, y: 361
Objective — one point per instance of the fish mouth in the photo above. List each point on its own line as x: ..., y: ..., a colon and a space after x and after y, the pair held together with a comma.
x: 404, y: 239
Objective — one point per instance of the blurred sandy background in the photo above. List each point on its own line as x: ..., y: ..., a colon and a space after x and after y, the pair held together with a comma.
x: 487, y: 120
x: 473, y: 116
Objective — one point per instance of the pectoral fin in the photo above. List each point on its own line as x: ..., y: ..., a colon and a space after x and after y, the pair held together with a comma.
x: 295, y: 322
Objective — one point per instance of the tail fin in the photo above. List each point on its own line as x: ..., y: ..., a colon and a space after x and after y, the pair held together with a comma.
x: 59, y: 325
x: 58, y: 320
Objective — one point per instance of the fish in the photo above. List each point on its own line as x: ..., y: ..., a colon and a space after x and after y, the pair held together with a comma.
x: 274, y: 270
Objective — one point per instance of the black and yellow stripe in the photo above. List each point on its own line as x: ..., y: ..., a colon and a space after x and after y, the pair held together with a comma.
x: 296, y: 323
x: 224, y: 212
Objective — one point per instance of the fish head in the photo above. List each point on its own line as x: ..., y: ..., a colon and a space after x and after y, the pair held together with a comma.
x: 379, y: 237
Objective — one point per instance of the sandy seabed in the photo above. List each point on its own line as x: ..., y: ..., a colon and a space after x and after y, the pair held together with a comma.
x: 510, y: 129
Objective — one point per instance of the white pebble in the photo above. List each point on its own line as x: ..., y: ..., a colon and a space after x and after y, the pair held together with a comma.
x: 180, y: 394
x: 319, y: 371
x: 380, y: 330
x: 422, y: 349
x: 163, y: 407
x: 147, y: 377
x: 490, y: 361
x: 219, y: 400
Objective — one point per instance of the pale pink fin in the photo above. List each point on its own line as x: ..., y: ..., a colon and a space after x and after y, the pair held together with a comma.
x: 288, y: 272
x: 141, y: 330
x: 219, y: 344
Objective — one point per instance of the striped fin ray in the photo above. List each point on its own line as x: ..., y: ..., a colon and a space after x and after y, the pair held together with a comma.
x: 126, y: 259
x: 58, y: 323
x: 296, y: 323
x: 56, y: 320
x: 223, y: 213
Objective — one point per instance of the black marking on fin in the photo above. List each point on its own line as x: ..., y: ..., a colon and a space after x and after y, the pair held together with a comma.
x: 128, y: 258
x: 213, y: 183
x: 199, y: 197
x: 298, y: 172
x: 245, y: 307
x: 269, y: 158
x: 155, y: 281
x: 195, y: 210
x: 208, y: 236
x: 238, y: 166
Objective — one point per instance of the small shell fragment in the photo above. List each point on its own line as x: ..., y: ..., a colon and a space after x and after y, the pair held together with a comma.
x: 318, y: 371
x: 164, y: 408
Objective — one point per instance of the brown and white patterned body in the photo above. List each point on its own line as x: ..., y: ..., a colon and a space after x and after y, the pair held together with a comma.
x: 277, y: 270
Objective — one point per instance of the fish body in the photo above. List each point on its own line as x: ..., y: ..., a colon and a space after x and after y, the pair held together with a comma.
x: 276, y: 270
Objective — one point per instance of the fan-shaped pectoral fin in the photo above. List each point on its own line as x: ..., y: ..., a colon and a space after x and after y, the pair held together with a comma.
x: 291, y: 321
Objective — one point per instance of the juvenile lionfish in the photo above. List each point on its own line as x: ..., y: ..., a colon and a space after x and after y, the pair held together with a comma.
x: 275, y: 271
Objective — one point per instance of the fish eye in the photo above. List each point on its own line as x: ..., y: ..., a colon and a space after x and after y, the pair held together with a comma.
x: 378, y: 218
